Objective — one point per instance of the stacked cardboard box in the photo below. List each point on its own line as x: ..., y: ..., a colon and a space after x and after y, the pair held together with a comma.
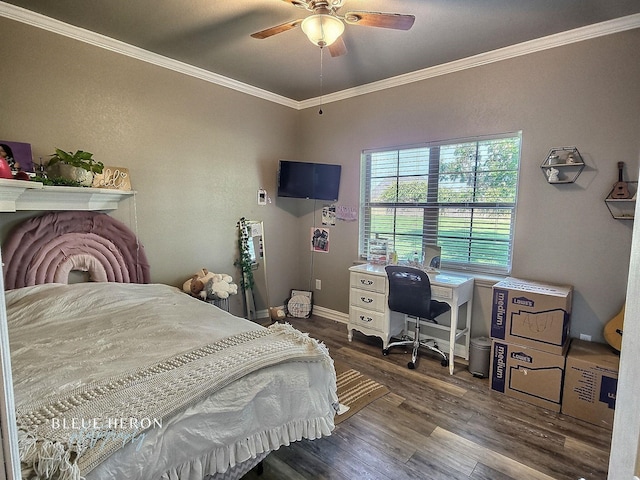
x: 532, y: 314
x: 590, y: 383
x: 530, y: 324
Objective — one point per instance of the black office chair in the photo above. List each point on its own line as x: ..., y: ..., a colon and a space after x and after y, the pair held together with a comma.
x: 410, y: 294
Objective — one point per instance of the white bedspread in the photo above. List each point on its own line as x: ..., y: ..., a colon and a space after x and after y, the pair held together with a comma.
x: 63, y: 337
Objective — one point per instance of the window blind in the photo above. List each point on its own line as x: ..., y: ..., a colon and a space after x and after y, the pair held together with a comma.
x: 460, y: 195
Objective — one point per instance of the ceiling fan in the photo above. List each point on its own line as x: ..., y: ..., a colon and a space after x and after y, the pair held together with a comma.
x: 324, y: 28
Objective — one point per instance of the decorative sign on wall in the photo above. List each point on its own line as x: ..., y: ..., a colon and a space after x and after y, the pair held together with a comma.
x: 116, y: 178
x: 346, y: 213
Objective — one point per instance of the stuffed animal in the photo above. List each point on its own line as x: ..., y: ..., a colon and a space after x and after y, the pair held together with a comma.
x: 210, y: 286
x: 195, y: 286
x: 220, y: 286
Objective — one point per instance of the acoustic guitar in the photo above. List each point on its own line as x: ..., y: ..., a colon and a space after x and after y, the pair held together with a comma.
x: 620, y: 188
x: 613, y: 330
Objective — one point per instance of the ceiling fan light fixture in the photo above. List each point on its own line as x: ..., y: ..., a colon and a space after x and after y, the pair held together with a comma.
x: 322, y: 30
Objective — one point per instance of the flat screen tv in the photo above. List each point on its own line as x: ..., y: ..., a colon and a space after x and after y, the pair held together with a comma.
x: 318, y: 181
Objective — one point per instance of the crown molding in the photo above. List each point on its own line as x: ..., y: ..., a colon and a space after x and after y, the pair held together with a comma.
x: 46, y: 23
x: 559, y: 39
x: 545, y: 43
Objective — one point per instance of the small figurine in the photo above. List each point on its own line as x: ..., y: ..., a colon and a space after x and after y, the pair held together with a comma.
x: 571, y: 158
x: 552, y: 173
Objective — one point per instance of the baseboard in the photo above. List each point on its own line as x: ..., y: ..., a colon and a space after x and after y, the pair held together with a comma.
x: 317, y: 310
x: 330, y: 314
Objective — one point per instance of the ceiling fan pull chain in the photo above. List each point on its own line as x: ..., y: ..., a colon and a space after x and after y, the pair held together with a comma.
x: 321, y: 53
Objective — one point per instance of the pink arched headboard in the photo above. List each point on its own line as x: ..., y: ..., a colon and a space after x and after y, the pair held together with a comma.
x: 45, y: 249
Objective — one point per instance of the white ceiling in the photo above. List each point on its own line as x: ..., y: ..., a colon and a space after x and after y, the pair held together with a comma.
x: 214, y: 35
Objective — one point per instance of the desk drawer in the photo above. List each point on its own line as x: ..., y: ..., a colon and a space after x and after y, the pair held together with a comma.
x: 366, y: 318
x: 438, y: 292
x: 373, y: 283
x: 367, y: 300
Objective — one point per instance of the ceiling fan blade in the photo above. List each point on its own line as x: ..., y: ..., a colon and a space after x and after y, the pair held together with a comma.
x: 338, y: 48
x: 378, y: 19
x: 268, y: 32
x: 298, y: 3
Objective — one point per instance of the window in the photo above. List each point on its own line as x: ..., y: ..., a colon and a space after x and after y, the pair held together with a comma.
x: 459, y: 195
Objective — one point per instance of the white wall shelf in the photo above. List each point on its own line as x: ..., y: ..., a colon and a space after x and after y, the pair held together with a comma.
x: 19, y: 195
x: 567, y: 163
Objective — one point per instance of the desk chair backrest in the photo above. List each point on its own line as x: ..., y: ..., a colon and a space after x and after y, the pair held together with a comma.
x: 410, y: 291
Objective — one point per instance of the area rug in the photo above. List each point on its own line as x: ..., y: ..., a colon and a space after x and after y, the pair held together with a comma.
x: 355, y: 391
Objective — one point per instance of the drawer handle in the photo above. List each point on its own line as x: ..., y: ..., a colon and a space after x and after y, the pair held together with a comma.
x: 366, y: 282
x: 365, y: 319
x: 366, y: 300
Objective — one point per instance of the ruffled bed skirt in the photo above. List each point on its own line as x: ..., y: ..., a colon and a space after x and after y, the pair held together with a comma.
x: 226, y: 462
x: 239, y: 470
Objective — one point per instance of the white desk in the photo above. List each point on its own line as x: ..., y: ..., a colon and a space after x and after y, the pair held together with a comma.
x: 369, y: 309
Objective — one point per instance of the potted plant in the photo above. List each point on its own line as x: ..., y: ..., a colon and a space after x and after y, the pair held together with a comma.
x: 79, y: 166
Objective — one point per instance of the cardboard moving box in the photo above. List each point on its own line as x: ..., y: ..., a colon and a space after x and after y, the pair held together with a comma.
x: 591, y: 381
x: 531, y: 313
x: 531, y: 375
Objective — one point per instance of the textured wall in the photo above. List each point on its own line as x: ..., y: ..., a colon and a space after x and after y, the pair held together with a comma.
x: 585, y: 94
x: 197, y: 152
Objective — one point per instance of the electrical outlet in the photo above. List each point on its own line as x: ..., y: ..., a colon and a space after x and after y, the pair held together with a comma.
x: 318, y: 284
x: 584, y: 336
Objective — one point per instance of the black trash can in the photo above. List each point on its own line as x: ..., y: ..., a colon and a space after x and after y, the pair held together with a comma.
x: 479, y: 356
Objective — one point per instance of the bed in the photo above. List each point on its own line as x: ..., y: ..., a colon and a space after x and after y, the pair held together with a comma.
x: 125, y: 379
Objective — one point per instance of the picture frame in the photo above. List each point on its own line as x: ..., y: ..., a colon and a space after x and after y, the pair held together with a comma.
x: 300, y: 303
x: 18, y: 155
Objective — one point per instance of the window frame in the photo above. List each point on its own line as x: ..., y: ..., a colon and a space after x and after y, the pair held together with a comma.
x: 433, y: 208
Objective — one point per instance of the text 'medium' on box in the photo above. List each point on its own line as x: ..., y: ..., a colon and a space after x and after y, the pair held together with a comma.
x: 531, y: 313
x: 590, y: 383
x: 528, y: 374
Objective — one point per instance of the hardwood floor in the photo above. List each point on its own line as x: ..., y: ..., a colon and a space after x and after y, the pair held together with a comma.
x: 437, y: 427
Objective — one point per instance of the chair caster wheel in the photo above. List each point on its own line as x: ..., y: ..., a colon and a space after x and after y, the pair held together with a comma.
x: 411, y: 365
x: 444, y: 362
x: 385, y: 351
